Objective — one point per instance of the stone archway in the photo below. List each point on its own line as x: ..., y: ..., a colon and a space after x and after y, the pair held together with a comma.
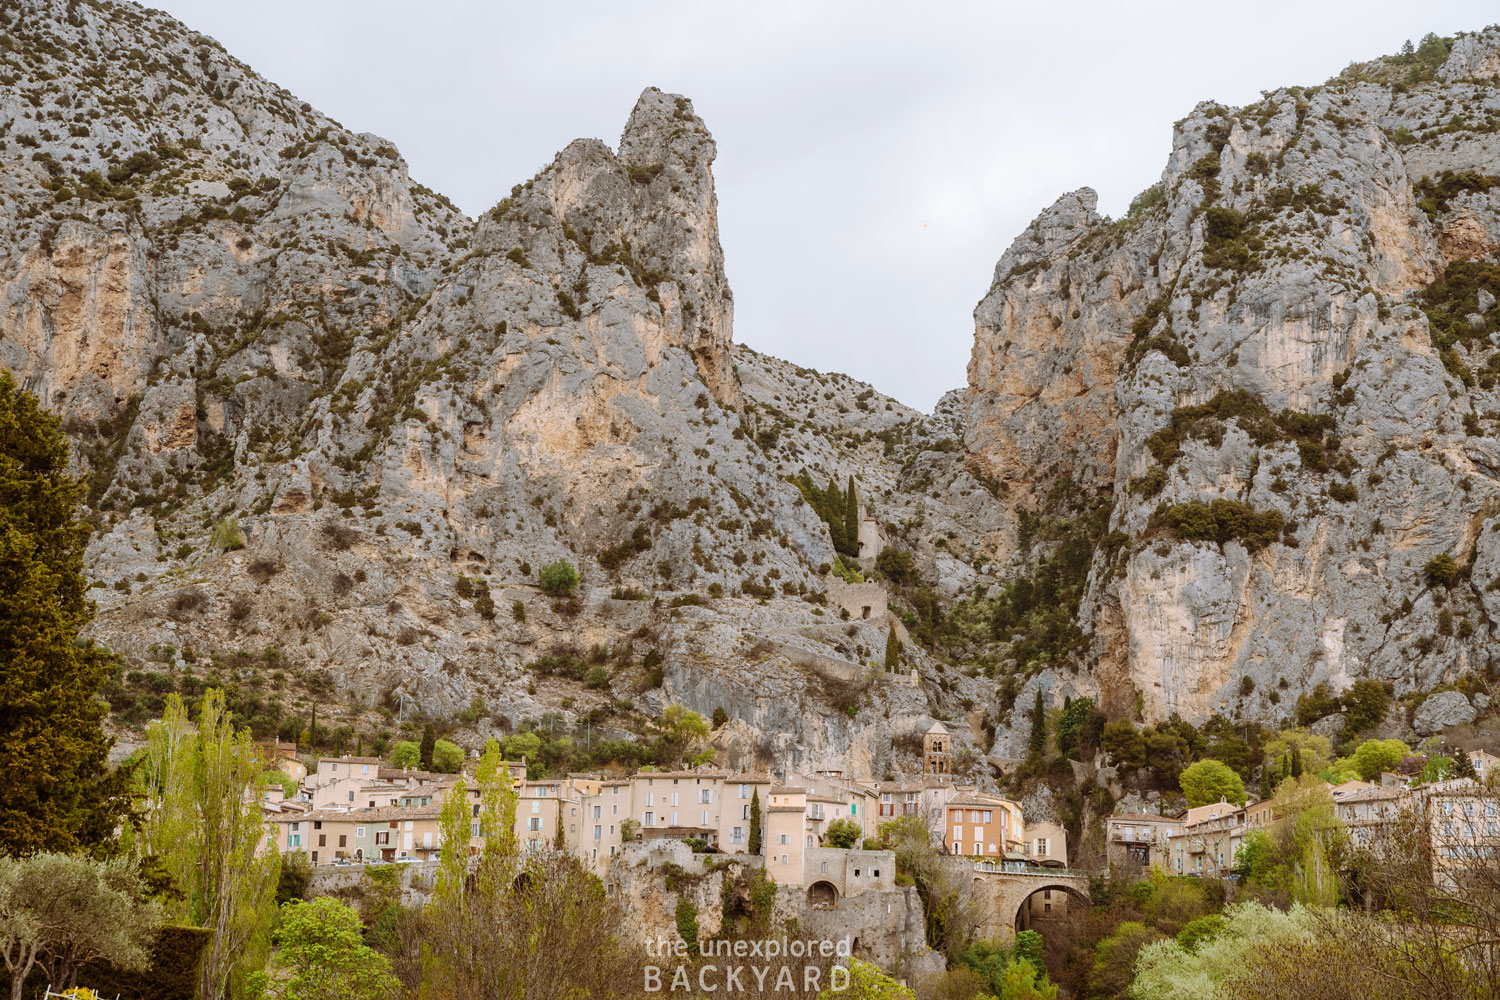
x: 823, y: 893
x: 1021, y: 918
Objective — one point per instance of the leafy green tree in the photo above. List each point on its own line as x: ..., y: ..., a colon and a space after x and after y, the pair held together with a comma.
x: 525, y: 746
x: 754, y: 845
x: 559, y: 579
x: 1437, y: 768
x: 57, y: 792
x: 682, y: 730
x: 720, y: 717
x: 406, y: 753
x: 447, y: 758
x: 429, y: 743
x: 61, y: 911
x: 1209, y: 781
x: 1314, y: 752
x: 842, y: 833
x: 1074, y: 725
x: 864, y: 982
x: 1374, y: 756
x: 200, y: 815
x: 323, y: 956
x: 892, y: 652
x: 1114, y: 959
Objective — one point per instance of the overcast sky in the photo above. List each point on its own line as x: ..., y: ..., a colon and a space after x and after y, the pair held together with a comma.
x: 875, y: 159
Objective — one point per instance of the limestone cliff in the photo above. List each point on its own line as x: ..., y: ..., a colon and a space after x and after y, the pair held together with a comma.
x: 1281, y: 368
x: 333, y: 429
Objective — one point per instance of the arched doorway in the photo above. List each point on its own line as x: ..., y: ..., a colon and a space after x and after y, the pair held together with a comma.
x: 823, y: 893
x: 1048, y: 901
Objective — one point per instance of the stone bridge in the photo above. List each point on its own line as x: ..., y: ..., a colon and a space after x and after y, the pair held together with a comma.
x: 1004, y: 891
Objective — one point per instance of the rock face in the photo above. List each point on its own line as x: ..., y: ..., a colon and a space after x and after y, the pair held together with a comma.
x: 1295, y: 325
x: 333, y: 429
x: 1441, y: 710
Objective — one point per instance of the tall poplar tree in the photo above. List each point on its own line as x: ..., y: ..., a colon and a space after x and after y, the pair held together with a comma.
x: 57, y: 792
x: 201, y: 818
x: 754, y: 844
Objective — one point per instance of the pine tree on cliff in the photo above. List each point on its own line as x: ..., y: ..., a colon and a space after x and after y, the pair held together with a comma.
x: 429, y: 740
x: 1038, y: 727
x: 851, y: 520
x: 754, y: 844
x: 1296, y: 769
x: 57, y: 792
x: 892, y: 652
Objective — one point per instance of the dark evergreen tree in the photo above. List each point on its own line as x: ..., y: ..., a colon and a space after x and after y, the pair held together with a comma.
x: 892, y: 652
x: 851, y: 520
x: 833, y: 515
x: 57, y: 792
x: 1296, y: 768
x: 754, y: 845
x: 1463, y: 767
x: 429, y: 740
x: 1038, y: 727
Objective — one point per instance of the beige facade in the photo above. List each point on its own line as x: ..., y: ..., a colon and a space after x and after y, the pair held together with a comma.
x: 984, y: 826
x: 785, y: 838
x: 1208, y: 839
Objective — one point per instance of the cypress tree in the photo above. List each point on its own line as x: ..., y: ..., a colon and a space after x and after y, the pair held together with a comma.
x: 892, y: 652
x: 851, y: 519
x: 1038, y: 727
x: 833, y: 515
x: 754, y: 844
x: 1296, y: 770
x: 429, y: 740
x: 57, y: 792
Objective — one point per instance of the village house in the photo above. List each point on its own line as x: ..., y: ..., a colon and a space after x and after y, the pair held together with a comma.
x: 1139, y: 840
x: 984, y: 826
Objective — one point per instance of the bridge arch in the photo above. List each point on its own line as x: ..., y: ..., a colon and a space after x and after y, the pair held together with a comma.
x: 1021, y: 914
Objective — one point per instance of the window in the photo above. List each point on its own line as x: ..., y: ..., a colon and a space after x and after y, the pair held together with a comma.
x: 783, y: 859
x: 875, y: 872
x: 473, y: 829
x: 295, y: 840
x: 359, y: 832
x: 674, y: 798
x: 958, y: 833
x: 364, y: 769
x: 737, y: 835
x: 705, y: 817
x: 596, y: 812
x: 1041, y: 847
x: 744, y: 791
x: 343, y: 840
x: 351, y: 795
x: 744, y: 812
x: 957, y: 848
x: 825, y: 866
x: 598, y: 832
x: 784, y: 840
x: 987, y: 816
x: 649, y: 819
x: 315, y: 857
x: 322, y: 840
x: 534, y: 824
x: 383, y: 838
x: 977, y: 846
x: 707, y: 795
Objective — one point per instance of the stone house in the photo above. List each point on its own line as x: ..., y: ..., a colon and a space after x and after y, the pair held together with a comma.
x: 1139, y: 840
